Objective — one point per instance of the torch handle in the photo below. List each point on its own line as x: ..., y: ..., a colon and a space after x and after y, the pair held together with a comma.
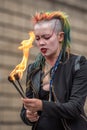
x: 20, y: 86
x: 21, y: 93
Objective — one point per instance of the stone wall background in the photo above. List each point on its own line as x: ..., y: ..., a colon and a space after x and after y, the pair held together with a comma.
x: 15, y: 24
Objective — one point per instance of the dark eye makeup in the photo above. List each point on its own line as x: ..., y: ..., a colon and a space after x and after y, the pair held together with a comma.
x: 46, y: 37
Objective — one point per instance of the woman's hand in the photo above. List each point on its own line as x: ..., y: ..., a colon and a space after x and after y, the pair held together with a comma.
x: 32, y: 104
x: 32, y: 116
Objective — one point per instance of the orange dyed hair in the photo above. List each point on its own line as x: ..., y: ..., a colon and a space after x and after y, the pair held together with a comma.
x: 49, y: 15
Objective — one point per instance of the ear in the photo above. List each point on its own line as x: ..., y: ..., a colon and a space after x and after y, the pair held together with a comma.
x: 60, y: 36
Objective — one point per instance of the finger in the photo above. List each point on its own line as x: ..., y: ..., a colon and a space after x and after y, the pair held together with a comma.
x: 35, y: 113
x: 31, y: 116
x: 34, y: 120
x: 29, y: 105
x: 29, y: 100
x: 26, y: 106
x: 32, y: 113
x: 26, y: 100
x: 29, y: 112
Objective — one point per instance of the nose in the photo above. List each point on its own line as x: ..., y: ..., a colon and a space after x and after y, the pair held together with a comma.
x: 41, y: 42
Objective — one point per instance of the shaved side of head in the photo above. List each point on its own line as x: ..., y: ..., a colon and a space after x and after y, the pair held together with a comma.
x: 53, y: 23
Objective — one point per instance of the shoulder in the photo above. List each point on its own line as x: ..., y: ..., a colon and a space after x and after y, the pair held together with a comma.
x: 78, y: 57
x: 77, y: 61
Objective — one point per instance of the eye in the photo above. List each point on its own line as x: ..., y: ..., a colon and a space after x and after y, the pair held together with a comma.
x: 37, y: 38
x: 47, y: 37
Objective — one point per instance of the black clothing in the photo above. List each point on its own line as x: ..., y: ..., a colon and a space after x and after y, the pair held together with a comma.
x: 44, y: 95
x: 45, y: 120
x: 69, y: 90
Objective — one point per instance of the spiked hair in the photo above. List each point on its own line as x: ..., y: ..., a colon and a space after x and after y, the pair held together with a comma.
x: 46, y: 16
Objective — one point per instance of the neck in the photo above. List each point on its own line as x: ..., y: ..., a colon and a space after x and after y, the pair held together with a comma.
x: 51, y: 60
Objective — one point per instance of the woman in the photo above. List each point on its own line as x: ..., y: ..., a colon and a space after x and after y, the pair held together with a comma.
x: 57, y: 80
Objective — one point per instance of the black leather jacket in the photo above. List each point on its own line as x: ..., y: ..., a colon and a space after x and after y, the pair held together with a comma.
x: 69, y: 90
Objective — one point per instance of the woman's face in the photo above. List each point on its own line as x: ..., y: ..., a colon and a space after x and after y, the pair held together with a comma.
x: 47, y: 40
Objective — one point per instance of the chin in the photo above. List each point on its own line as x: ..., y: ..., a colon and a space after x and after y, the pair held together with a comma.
x: 48, y: 56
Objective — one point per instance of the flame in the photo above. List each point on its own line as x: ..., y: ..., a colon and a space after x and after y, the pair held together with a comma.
x: 25, y: 47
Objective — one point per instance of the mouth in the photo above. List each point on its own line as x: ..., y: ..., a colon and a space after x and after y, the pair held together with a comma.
x: 43, y: 50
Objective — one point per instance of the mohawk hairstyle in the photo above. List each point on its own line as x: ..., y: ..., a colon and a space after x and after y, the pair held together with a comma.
x: 46, y: 16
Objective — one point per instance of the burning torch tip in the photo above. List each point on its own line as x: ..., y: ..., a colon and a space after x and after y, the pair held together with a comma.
x: 10, y: 79
x: 16, y: 76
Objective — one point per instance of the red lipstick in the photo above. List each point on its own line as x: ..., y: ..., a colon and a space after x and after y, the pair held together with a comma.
x: 43, y: 50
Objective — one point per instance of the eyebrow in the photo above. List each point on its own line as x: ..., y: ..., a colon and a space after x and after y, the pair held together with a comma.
x: 43, y: 34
